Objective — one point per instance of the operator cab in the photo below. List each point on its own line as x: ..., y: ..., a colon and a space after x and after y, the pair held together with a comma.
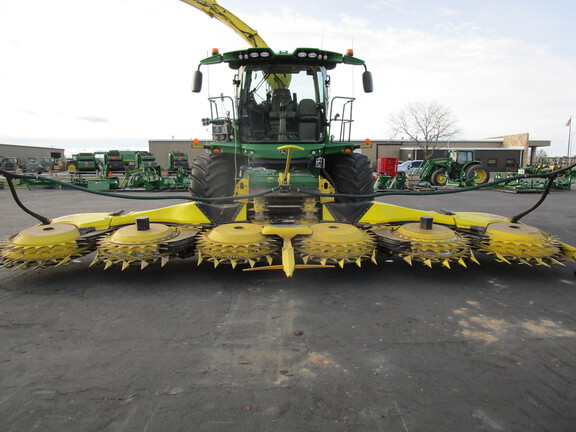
x: 280, y: 98
x: 462, y: 156
x: 281, y: 103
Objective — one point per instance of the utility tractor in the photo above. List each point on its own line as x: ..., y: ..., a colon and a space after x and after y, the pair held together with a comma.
x: 460, y: 167
x: 10, y: 164
x: 48, y: 164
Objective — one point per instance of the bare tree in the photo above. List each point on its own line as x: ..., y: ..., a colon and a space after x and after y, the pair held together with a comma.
x: 425, y: 124
x: 541, y: 156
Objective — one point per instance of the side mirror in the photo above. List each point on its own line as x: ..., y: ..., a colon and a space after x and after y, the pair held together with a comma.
x: 367, y: 82
x: 197, y: 81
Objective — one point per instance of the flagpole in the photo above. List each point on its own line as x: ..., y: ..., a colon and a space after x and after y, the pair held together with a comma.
x: 569, y: 136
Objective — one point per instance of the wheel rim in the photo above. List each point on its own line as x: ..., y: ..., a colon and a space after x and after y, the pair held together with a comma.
x: 71, y: 168
x: 480, y: 176
x: 441, y: 178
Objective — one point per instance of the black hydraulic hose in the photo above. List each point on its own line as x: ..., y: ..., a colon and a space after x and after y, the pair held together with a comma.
x: 516, y: 218
x: 550, y: 176
x: 45, y: 221
x: 9, y: 177
x: 303, y: 191
x: 327, y: 177
x: 115, y: 195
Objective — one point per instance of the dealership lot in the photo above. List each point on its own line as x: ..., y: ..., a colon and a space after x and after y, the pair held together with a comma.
x: 387, y: 347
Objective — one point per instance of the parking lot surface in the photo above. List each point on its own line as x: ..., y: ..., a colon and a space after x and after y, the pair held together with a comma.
x: 384, y: 347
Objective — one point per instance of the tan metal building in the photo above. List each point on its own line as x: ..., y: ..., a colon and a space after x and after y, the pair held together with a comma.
x: 23, y: 153
x: 162, y: 148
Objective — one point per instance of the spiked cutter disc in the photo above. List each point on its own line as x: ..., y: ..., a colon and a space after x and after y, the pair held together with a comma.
x: 236, y: 243
x: 133, y: 246
x: 429, y: 245
x: 336, y: 243
x: 521, y: 244
x: 43, y: 246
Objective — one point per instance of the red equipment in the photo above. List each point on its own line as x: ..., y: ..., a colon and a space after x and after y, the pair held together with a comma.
x: 388, y: 166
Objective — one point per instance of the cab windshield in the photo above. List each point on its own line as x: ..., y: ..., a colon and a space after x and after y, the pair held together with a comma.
x: 282, y: 103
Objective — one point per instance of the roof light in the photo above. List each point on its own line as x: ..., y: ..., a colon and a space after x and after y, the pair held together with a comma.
x: 350, y: 52
x: 215, y: 51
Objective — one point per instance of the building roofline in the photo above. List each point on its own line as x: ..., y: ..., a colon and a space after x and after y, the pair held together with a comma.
x: 32, y: 147
x: 475, y: 148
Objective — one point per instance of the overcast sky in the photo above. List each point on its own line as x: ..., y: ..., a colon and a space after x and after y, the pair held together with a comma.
x: 96, y: 75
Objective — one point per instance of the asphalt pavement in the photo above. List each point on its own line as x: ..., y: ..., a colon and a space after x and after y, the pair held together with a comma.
x: 384, y: 347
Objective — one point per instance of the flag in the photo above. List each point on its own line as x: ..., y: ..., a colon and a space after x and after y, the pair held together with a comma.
x: 569, y: 122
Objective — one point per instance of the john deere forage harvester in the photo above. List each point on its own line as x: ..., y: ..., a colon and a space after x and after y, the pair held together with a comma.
x: 282, y: 186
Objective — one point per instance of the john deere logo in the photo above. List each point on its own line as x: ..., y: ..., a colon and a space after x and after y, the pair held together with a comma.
x: 283, y: 152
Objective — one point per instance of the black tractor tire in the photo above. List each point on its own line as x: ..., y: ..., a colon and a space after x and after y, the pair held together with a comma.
x: 352, y: 175
x: 439, y: 177
x: 212, y: 176
x: 198, y: 173
x: 478, y: 173
x: 221, y: 177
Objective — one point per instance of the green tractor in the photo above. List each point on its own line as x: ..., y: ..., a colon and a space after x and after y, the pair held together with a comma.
x: 10, y: 164
x: 459, y: 167
x: 281, y: 131
x: 48, y: 164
